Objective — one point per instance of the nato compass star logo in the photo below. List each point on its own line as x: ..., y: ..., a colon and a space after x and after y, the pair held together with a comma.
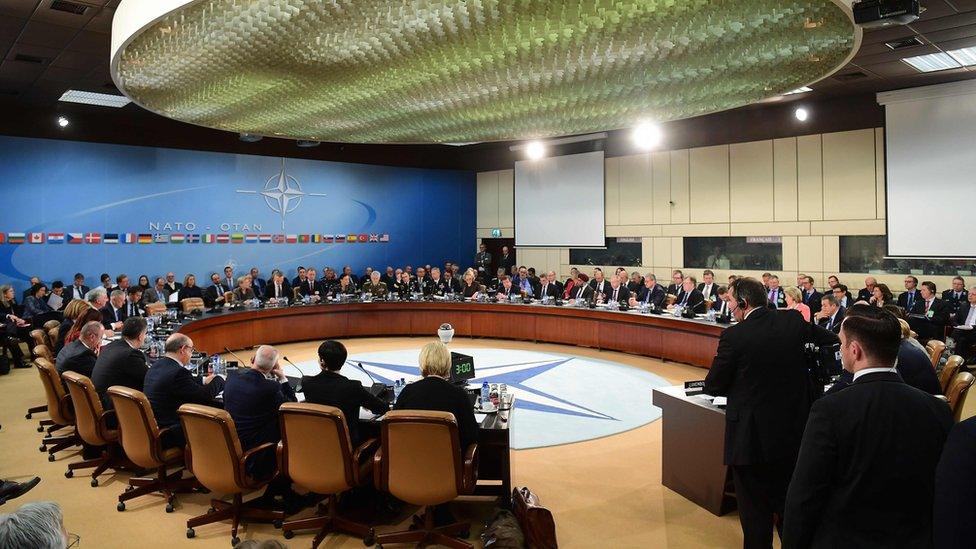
x: 283, y: 193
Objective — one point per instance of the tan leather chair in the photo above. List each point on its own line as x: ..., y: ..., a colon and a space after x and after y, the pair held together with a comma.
x: 40, y: 337
x: 229, y: 297
x: 192, y: 303
x: 935, y: 348
x: 952, y: 365
x: 51, y: 324
x: 155, y: 308
x: 316, y: 454
x: 59, y: 408
x: 957, y: 390
x: 53, y: 334
x: 419, y: 462
x: 214, y: 456
x: 140, y: 436
x: 296, y: 294
x: 43, y: 351
x: 91, y: 424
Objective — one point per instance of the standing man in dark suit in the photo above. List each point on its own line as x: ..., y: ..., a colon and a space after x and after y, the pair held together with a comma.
x: 774, y: 294
x: 482, y: 261
x: 506, y: 260
x: 114, y: 312
x: 331, y: 388
x: 810, y: 295
x: 930, y: 314
x: 708, y: 287
x: 258, y: 284
x: 955, y: 489
x: 80, y: 355
x: 77, y: 289
x: 690, y: 297
x: 122, y: 362
x: 830, y: 315
x: 956, y: 295
x: 964, y: 321
x: 169, y: 385
x: 650, y: 293
x: 907, y: 299
x: 214, y: 295
x: 760, y: 366
x: 866, y: 469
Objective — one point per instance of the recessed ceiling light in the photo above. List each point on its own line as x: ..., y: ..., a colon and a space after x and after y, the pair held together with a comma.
x: 94, y: 98
x: 63, y: 122
x: 932, y: 62
x: 250, y: 137
x: 535, y: 150
x: 801, y: 114
x: 647, y: 136
x: 965, y: 56
x: 804, y: 89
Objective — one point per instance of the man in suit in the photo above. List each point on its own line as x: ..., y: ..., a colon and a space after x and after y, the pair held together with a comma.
x: 866, y: 467
x: 636, y: 283
x: 331, y: 388
x: 133, y: 302
x: 389, y: 277
x: 830, y: 315
x: 523, y: 282
x: 122, y: 362
x: 721, y: 303
x: 930, y: 314
x: 867, y: 291
x: 810, y: 295
x: 171, y: 284
x: 907, y: 299
x: 964, y: 333
x: 347, y: 270
x: 708, y: 287
x: 506, y: 290
x: 583, y: 291
x: 159, y: 293
x: 169, y: 385
x: 598, y: 282
x: 258, y: 284
x: 677, y: 280
x: 507, y: 260
x: 214, y: 295
x: 761, y: 367
x: 615, y: 293
x: 80, y: 355
x: 954, y: 508
x: 77, y: 289
x: 311, y: 287
x: 114, y: 312
x: 549, y: 287
x: 650, y: 293
x: 482, y: 260
x: 297, y: 281
x: 774, y: 294
x: 690, y: 297
x: 421, y: 284
x: 442, y: 283
x: 956, y: 295
x: 229, y: 281
x: 843, y: 296
x: 252, y: 398
x: 278, y: 287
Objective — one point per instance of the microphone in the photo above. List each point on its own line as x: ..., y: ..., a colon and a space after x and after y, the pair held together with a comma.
x: 365, y: 371
x: 298, y: 386
x: 232, y: 353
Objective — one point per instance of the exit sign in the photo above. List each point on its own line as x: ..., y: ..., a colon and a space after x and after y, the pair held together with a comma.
x: 496, y: 233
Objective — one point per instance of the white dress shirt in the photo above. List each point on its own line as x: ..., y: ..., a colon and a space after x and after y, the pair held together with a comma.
x: 867, y: 371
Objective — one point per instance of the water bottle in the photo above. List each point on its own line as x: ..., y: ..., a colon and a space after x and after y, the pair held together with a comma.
x: 213, y: 364
x: 396, y: 389
x: 493, y: 394
x: 403, y: 383
x: 485, y: 394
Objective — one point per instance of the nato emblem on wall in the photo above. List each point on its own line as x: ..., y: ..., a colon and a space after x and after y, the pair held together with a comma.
x: 283, y: 193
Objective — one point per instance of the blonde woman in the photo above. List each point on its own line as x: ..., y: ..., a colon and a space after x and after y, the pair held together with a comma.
x: 794, y: 301
x: 470, y: 286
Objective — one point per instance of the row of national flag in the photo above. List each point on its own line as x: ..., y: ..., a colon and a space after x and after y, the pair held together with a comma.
x: 180, y: 238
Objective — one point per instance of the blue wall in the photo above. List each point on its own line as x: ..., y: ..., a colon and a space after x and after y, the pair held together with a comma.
x: 65, y: 186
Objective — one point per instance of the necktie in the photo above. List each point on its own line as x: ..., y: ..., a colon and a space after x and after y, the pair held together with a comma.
x: 116, y: 314
x: 545, y: 288
x: 647, y: 296
x: 927, y: 305
x: 830, y: 322
x: 130, y: 309
x: 911, y: 300
x: 579, y: 293
x: 615, y: 290
x: 685, y: 300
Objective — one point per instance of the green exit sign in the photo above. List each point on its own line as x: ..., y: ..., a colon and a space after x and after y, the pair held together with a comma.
x: 496, y: 233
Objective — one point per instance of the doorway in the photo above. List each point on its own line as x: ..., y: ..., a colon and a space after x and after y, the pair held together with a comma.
x: 494, y: 246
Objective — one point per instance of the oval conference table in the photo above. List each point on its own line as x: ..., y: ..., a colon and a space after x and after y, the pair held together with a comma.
x: 690, y: 341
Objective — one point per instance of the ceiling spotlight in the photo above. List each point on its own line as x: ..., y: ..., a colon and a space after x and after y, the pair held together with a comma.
x: 307, y: 144
x: 63, y: 122
x: 535, y: 150
x: 801, y: 114
x: 250, y: 137
x: 647, y: 136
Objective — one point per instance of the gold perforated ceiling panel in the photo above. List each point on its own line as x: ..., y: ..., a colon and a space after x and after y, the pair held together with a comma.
x: 396, y: 71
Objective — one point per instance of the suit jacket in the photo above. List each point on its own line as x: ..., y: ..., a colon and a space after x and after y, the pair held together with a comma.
x: 760, y: 366
x: 940, y: 310
x: 952, y: 301
x: 334, y: 389
x: 654, y: 296
x: 551, y: 290
x: 955, y: 489
x: 168, y: 385
x: 587, y: 292
x: 311, y: 287
x: 434, y: 393
x: 712, y: 293
x: 253, y: 401
x: 240, y: 294
x: 916, y: 370
x: 213, y: 293
x: 673, y: 289
x: 188, y: 292
x: 69, y: 292
x: 835, y: 323
x: 779, y: 301
x: 903, y: 299
x: 75, y: 357
x: 174, y: 287
x: 623, y: 294
x: 961, y: 313
x: 119, y: 364
x: 506, y: 261
x: 152, y: 295
x: 866, y: 468
x: 259, y: 285
x: 863, y: 295
x: 599, y: 288
x: 812, y: 300
x: 271, y: 291
x: 109, y: 315
x: 696, y: 301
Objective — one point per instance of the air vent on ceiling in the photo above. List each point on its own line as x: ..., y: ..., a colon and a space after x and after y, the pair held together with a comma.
x: 904, y: 43
x: 69, y: 7
x: 850, y: 76
x: 28, y: 58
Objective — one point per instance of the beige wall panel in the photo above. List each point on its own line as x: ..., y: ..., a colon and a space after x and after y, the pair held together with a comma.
x: 879, y: 171
x: 563, y: 256
x: 809, y: 254
x: 647, y: 251
x: 612, y: 191
x: 849, y: 175
x: 506, y: 198
x: 796, y: 228
x: 533, y: 257
x: 851, y: 227
x: 680, y: 173
x: 660, y: 187
x: 809, y: 177
x: 635, y: 190
x: 831, y: 254
x: 662, y: 252
x: 634, y: 230
x: 487, y: 207
x: 709, y: 184
x: 677, y: 252
x: 784, y: 179
x: 790, y: 253
x: 554, y: 257
x: 694, y: 229
x: 751, y: 191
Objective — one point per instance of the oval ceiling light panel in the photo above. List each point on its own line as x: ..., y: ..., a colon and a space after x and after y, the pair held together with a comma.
x: 428, y: 71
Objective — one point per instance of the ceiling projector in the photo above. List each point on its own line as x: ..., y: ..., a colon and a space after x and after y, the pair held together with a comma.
x: 873, y: 14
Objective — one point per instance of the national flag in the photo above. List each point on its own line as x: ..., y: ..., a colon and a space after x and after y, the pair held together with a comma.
x: 55, y: 238
x: 2, y: 238
x: 384, y: 238
x: 291, y: 238
x: 304, y: 238
x: 237, y: 238
x: 76, y: 238
x: 264, y: 238
x: 317, y: 238
x: 161, y: 238
x: 352, y: 238
x: 340, y: 238
x: 36, y: 238
x: 278, y: 239
x: 177, y: 238
x: 209, y: 238
x: 223, y: 238
x: 110, y: 238
x: 364, y: 238
x: 251, y: 238
x: 93, y: 238
x: 374, y: 238
x: 144, y: 238
x: 16, y: 238
x: 192, y: 239
x: 128, y: 238
x: 328, y: 238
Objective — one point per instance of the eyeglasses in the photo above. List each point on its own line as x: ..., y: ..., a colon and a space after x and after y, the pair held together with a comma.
x: 74, y: 540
